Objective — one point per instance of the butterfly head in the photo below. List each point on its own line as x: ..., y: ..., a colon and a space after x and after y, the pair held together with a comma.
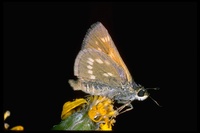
x: 141, y: 94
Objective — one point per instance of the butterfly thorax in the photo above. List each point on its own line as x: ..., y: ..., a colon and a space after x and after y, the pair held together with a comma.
x: 128, y: 93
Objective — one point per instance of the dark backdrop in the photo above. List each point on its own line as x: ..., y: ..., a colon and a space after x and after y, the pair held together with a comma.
x: 157, y: 41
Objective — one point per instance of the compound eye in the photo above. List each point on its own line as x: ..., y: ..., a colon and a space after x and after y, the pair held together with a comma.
x: 141, y: 93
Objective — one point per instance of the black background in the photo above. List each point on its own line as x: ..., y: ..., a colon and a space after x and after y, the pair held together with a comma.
x: 157, y: 41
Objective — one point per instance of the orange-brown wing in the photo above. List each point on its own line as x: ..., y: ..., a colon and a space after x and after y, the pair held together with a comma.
x: 98, y: 38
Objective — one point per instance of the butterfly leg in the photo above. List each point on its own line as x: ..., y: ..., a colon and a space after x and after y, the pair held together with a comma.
x: 125, y: 105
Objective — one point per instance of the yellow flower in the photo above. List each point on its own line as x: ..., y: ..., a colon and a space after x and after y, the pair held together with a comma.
x: 6, y: 125
x: 70, y: 107
x: 101, y: 111
x: 92, y: 113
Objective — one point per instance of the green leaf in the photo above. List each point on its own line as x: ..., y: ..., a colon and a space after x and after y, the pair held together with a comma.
x: 77, y: 121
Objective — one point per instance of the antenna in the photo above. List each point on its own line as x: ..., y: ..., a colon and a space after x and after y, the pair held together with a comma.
x: 152, y: 98
x: 155, y: 101
x: 152, y: 88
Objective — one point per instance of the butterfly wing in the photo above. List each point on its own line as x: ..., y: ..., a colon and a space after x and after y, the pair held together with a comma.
x: 97, y: 67
x: 99, y: 39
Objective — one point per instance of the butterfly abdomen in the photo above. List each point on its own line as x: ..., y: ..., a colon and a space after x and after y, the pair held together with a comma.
x: 93, y: 88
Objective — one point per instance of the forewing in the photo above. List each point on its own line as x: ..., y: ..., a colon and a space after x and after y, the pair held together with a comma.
x: 98, y: 38
x: 96, y: 66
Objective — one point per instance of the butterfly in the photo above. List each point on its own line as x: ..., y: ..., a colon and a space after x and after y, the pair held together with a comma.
x: 101, y: 71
